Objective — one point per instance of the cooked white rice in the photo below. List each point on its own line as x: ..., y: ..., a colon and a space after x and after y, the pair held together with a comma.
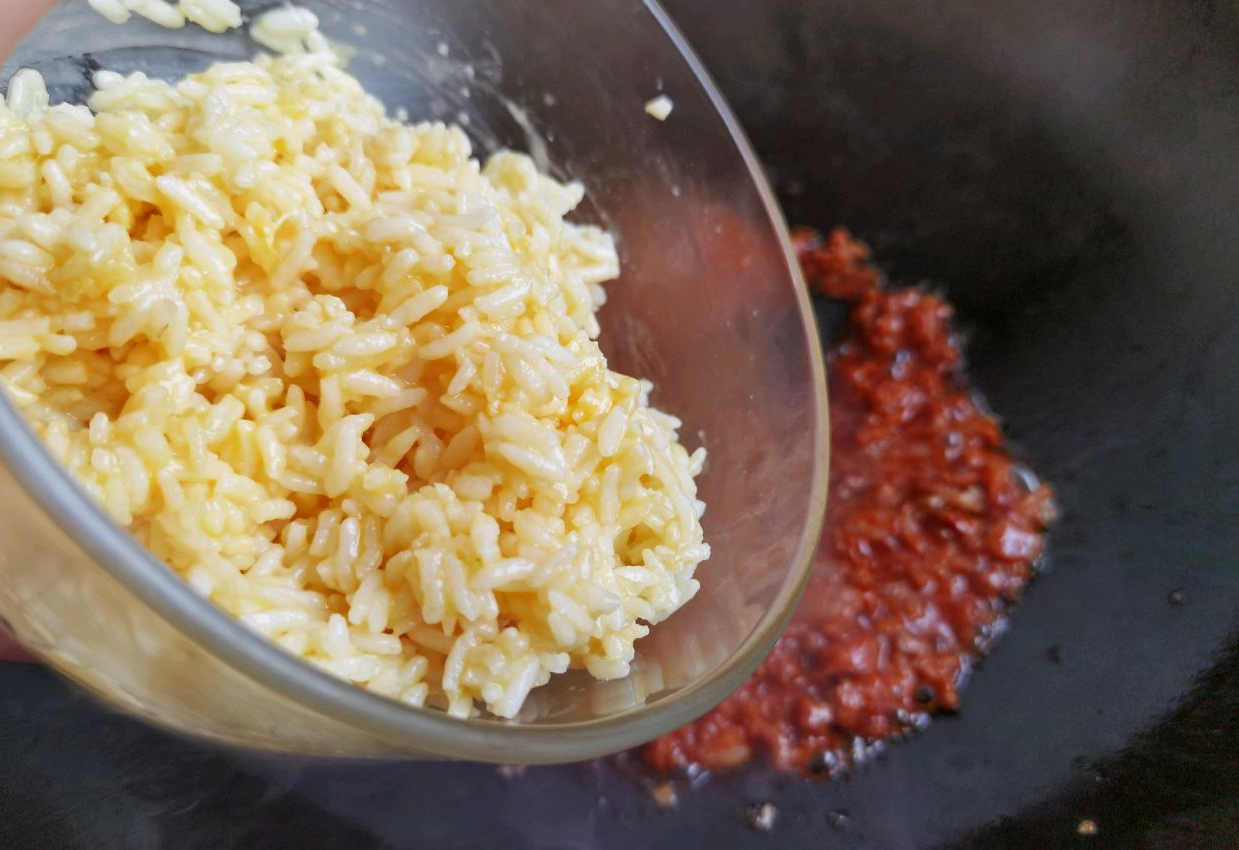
x: 213, y: 15
x: 340, y: 376
x: 659, y: 107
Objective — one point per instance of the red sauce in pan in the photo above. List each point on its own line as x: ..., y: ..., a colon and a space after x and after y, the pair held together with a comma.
x: 932, y: 530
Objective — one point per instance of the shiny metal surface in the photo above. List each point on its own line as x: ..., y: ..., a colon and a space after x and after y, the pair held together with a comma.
x: 709, y: 306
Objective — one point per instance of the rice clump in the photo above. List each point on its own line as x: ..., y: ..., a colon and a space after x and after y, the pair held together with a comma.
x: 341, y: 377
x: 213, y: 15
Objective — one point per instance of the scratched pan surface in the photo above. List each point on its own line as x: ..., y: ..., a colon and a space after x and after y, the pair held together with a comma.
x: 1069, y: 173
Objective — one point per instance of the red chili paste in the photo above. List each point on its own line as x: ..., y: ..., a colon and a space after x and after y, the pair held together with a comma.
x: 932, y: 530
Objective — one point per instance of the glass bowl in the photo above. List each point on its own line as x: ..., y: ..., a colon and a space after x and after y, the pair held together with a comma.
x: 710, y: 307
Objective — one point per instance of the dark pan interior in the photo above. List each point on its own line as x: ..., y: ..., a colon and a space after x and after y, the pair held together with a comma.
x: 1068, y: 172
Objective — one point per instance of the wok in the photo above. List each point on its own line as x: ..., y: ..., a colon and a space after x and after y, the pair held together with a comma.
x: 1068, y: 173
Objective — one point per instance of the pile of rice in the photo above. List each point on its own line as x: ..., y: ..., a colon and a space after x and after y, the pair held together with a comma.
x: 341, y: 377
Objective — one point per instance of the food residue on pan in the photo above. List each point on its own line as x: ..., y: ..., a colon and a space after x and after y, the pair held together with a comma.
x: 665, y: 795
x: 932, y: 530
x: 659, y: 107
x: 762, y: 816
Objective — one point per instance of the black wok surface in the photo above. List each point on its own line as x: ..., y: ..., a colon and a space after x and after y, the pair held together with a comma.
x: 1068, y: 172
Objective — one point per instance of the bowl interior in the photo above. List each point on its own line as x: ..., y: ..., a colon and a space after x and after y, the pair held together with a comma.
x: 708, y: 306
